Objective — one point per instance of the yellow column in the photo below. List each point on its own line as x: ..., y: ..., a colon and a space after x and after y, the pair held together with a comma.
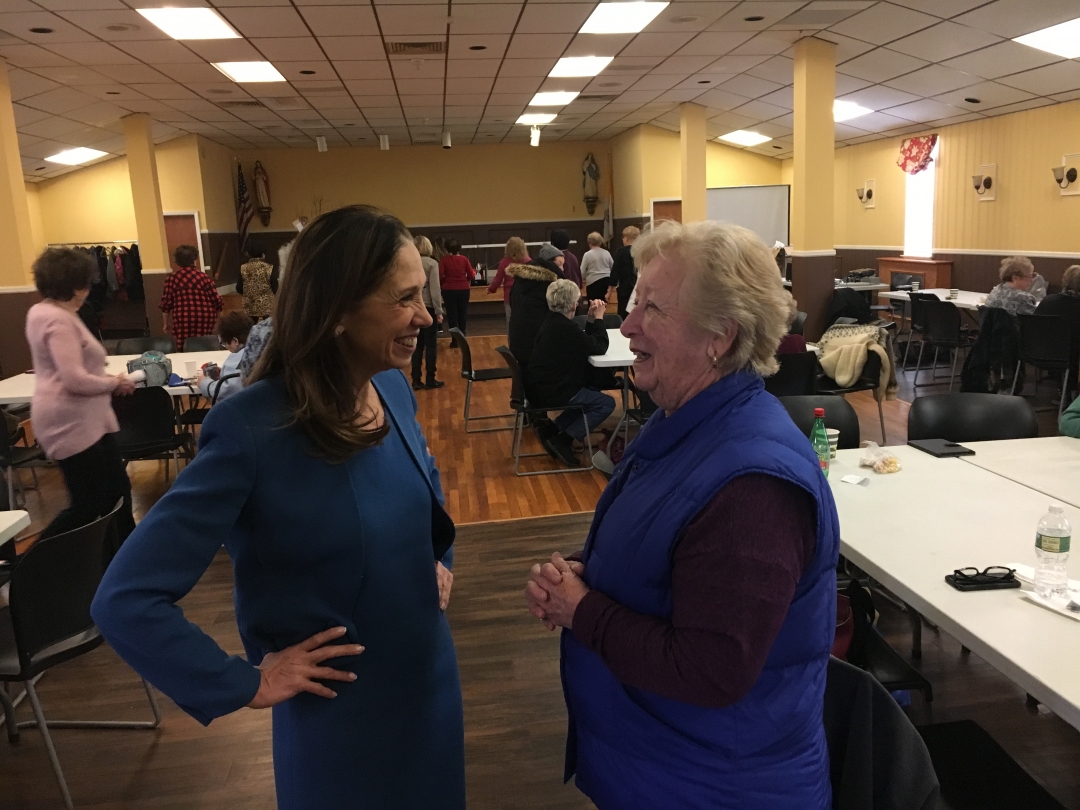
x: 149, y: 221
x: 15, y: 232
x: 692, y: 141
x: 812, y: 246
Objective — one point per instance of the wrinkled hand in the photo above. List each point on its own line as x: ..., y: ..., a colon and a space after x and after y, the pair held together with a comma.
x: 438, y: 318
x: 596, y: 309
x: 554, y: 591
x: 297, y: 669
x: 200, y: 375
x: 124, y: 384
x: 446, y: 582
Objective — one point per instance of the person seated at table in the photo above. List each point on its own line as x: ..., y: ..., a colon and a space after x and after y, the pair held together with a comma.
x: 1013, y: 294
x: 1069, y: 423
x: 559, y: 372
x: 233, y: 329
x: 528, y: 301
x: 792, y: 343
x: 1066, y: 305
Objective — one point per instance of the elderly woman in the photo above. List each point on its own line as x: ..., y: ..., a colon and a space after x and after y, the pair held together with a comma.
x: 72, y: 408
x: 189, y: 299
x: 1013, y: 294
x: 699, y: 617
x: 317, y: 480
x: 428, y: 342
x: 1066, y: 304
x: 528, y: 298
x: 515, y: 252
x: 558, y: 371
x: 623, y: 271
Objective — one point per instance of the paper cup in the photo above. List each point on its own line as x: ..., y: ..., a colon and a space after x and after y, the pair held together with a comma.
x: 915, y: 286
x: 954, y: 293
x: 189, y: 367
x: 834, y: 440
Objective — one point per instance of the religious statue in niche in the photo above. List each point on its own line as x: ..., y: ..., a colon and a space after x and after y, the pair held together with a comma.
x: 590, y: 177
x: 262, y: 193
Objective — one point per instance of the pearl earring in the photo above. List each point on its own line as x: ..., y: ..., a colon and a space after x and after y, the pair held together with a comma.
x: 339, y: 330
x: 715, y: 361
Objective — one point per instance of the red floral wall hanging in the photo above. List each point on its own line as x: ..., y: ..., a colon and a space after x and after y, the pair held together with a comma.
x: 915, y: 153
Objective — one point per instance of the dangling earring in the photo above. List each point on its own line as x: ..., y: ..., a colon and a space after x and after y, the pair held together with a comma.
x: 339, y: 330
x: 715, y: 362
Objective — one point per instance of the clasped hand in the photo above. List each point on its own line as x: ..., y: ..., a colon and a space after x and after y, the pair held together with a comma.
x: 554, y: 591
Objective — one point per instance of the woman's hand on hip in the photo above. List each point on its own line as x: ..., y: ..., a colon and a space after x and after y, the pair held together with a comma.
x: 554, y: 591
x: 446, y: 581
x: 298, y: 669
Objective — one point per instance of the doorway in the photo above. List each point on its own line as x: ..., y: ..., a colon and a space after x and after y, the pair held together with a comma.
x: 182, y: 228
x: 666, y: 208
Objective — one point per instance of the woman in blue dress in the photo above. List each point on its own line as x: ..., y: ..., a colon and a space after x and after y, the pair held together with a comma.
x: 317, y: 480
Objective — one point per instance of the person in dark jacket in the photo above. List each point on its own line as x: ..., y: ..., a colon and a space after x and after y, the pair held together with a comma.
x: 1066, y: 305
x: 528, y: 304
x: 623, y: 271
x: 571, y: 265
x: 558, y: 370
x: 455, y: 279
x: 991, y: 362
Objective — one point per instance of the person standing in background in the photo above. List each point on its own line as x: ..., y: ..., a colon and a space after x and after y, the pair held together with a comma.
x: 258, y: 282
x: 455, y: 277
x: 428, y: 339
x: 623, y: 271
x: 515, y: 253
x: 189, y: 300
x: 571, y: 266
x: 72, y: 405
x: 596, y: 269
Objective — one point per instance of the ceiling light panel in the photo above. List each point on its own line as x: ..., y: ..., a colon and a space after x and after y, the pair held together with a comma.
x: 621, y: 18
x: 580, y: 66
x: 190, y: 23
x: 76, y: 157
x: 744, y: 137
x: 536, y: 118
x: 556, y: 98
x: 1061, y: 40
x: 846, y: 110
x: 250, y: 71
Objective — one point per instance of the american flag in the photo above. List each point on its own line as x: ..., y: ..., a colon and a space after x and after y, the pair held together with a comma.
x: 244, y: 209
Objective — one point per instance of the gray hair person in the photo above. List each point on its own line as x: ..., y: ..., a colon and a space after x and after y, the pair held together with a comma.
x: 1016, y: 294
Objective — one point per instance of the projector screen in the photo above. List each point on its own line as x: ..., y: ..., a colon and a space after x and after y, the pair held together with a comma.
x: 762, y: 209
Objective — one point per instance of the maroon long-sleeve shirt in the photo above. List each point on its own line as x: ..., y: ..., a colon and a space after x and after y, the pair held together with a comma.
x: 734, y: 573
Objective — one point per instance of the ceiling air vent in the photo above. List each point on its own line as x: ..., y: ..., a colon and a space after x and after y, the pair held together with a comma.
x: 597, y: 97
x: 818, y: 18
x: 232, y: 105
x: 415, y: 48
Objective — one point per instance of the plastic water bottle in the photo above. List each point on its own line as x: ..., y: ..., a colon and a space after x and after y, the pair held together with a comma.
x: 1052, y: 548
x: 820, y: 441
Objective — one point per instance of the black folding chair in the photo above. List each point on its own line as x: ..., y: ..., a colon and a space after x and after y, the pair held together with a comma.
x: 522, y: 409
x: 477, y: 375
x: 795, y: 377
x: 969, y: 417
x: 838, y: 414
x: 1046, y: 343
x: 163, y: 344
x: 14, y: 458
x: 941, y: 331
x: 869, y: 380
x: 195, y: 416
x: 48, y: 622
x: 918, y: 319
x: 148, y: 428
x: 202, y: 343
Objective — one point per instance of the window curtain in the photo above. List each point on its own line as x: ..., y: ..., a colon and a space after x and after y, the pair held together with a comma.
x: 915, y: 153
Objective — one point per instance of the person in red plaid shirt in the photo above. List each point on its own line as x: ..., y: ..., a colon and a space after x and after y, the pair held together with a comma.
x: 190, y: 300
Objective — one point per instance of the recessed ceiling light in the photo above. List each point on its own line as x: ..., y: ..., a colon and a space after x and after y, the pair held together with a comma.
x: 553, y: 99
x: 684, y: 20
x: 249, y: 71
x: 1061, y: 40
x: 973, y: 100
x: 577, y: 66
x: 704, y: 81
x: 307, y: 72
x: 74, y: 157
x: 536, y: 118
x: 621, y: 18
x: 754, y: 18
x: 744, y: 137
x: 218, y: 92
x: 112, y: 92
x: 478, y: 47
x: 118, y: 27
x: 777, y: 147
x: 41, y: 30
x: 846, y: 110
x: 190, y: 23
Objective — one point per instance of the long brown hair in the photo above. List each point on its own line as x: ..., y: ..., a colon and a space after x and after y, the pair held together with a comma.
x: 337, y: 261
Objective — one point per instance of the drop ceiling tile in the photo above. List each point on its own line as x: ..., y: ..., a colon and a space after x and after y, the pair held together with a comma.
x: 709, y: 43
x: 760, y: 110
x: 130, y: 74
x: 146, y: 105
x: 1023, y: 105
x: 1046, y: 81
x: 71, y: 5
x: 516, y: 84
x: 43, y: 149
x: 388, y: 104
x: 720, y: 99
x: 577, y: 84
x: 704, y: 81
x: 1013, y: 18
x: 415, y: 87
x: 750, y: 86
x: 369, y: 69
x: 769, y: 43
x: 849, y: 84
x: 490, y: 46
x: 679, y: 65
x: 729, y: 121
x: 944, y: 41
x: 159, y: 52
x: 25, y: 141
x: 734, y: 64
x: 466, y: 99
x: 879, y: 97
x: 32, y: 56
x: 932, y: 80
x: 591, y: 44
x: 679, y: 94
x: 531, y: 46
x: 113, y: 93
x: 845, y: 131
x: 74, y: 75
x: 784, y: 97
x: 531, y: 68
x: 20, y: 23
x: 340, y: 21
x: 638, y: 97
x: 353, y: 48
x: 413, y: 20
x: 884, y: 22
x: 1001, y: 60
x: 190, y: 73
x: 924, y: 110
x: 878, y: 122
x: 880, y: 65
x: 93, y: 53
x: 116, y: 25
x: 656, y: 82
x: 25, y: 84
x: 554, y: 18
x: 431, y: 68
x: 509, y: 99
x: 53, y: 127
x: 225, y: 50
x: 192, y: 105
x: 846, y: 47
x: 165, y: 92
x: 469, y: 86
x: 371, y: 87
x: 266, y: 22
x: 310, y: 74
x: 213, y: 115
x: 59, y: 101
x: 989, y: 95
x: 779, y: 69
x: 485, y: 18
x: 676, y: 17
x: 1072, y: 95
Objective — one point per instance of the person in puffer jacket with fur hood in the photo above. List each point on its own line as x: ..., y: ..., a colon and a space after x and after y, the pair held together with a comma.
x: 528, y: 302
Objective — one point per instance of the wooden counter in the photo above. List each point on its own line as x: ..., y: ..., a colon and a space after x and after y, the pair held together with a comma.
x: 935, y: 273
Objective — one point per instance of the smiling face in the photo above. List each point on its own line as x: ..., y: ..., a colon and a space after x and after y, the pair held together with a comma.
x: 673, y: 356
x: 380, y: 332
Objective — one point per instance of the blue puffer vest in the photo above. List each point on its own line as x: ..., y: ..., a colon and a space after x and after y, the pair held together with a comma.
x: 635, y: 749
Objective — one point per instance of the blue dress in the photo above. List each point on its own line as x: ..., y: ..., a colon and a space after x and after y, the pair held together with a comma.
x: 314, y: 545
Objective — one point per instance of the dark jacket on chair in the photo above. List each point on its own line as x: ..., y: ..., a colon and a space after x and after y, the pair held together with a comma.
x: 559, y: 365
x: 1065, y: 305
x: 996, y: 350
x: 878, y: 760
x: 528, y: 304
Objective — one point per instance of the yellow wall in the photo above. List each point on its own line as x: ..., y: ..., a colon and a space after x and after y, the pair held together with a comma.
x: 37, y: 225
x: 882, y: 225
x: 626, y: 166
x: 218, y: 168
x: 428, y: 185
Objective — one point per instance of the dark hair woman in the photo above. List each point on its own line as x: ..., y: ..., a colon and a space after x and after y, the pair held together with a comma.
x: 72, y: 406
x: 189, y: 298
x: 317, y: 479
x: 456, y: 274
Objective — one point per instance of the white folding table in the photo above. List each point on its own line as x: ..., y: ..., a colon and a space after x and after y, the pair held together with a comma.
x: 20, y: 388
x: 909, y: 529
x: 1050, y: 465
x: 618, y: 355
x: 12, y: 522
x: 965, y: 299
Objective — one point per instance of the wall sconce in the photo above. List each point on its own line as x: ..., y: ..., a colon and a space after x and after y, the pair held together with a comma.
x: 864, y: 194
x: 384, y: 143
x: 1064, y: 177
x: 982, y: 184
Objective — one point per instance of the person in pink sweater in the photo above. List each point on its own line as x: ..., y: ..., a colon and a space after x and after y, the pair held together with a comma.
x: 515, y: 253
x: 72, y: 407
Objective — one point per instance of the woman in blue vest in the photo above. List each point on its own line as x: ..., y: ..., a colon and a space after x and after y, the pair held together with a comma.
x: 318, y: 482
x: 699, y: 617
